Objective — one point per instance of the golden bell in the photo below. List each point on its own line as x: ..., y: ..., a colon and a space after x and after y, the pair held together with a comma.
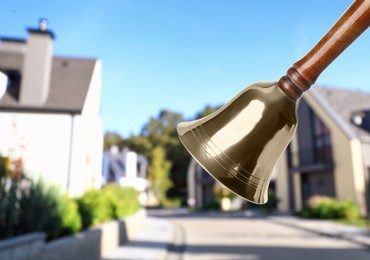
x: 240, y: 143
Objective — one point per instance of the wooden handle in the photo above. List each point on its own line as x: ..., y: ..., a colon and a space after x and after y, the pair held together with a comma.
x: 305, y: 72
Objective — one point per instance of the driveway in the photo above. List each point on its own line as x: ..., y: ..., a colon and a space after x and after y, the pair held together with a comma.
x: 249, y: 236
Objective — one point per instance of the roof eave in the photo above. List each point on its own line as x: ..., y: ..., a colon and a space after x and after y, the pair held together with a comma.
x: 332, y: 114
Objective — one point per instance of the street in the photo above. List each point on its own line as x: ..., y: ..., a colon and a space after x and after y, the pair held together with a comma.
x: 243, y: 236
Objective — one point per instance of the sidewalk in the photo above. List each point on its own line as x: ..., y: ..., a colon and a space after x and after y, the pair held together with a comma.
x: 150, y: 244
x: 158, y: 234
x: 355, y: 234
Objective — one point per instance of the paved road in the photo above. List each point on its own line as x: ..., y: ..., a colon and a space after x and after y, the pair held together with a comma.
x: 211, y: 236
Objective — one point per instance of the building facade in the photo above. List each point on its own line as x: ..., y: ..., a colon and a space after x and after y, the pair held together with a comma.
x: 128, y: 168
x: 328, y: 156
x: 50, y: 112
x: 330, y: 152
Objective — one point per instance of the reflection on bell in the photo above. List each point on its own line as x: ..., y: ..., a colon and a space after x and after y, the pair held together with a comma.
x: 240, y: 143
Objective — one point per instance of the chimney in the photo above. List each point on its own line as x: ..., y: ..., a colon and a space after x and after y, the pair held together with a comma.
x: 37, y: 64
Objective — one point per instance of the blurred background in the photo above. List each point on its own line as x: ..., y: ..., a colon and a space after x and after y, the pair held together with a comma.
x: 91, y: 93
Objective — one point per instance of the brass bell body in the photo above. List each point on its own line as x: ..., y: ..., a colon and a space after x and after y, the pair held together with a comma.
x: 240, y: 143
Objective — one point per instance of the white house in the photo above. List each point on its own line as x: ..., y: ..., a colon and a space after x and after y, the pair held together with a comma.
x: 128, y: 169
x: 50, y: 112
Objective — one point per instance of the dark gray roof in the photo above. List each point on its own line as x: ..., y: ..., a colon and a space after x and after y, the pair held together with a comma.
x: 345, y: 103
x: 12, y: 39
x: 70, y: 80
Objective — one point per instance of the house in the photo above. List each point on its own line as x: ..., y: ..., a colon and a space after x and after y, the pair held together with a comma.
x: 50, y: 112
x: 200, y: 186
x: 330, y: 152
x: 128, y: 169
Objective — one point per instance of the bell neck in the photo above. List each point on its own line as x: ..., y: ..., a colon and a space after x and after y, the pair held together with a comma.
x: 294, y: 84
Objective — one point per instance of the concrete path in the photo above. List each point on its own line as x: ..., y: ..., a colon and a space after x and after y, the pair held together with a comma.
x: 184, y: 235
x: 249, y: 235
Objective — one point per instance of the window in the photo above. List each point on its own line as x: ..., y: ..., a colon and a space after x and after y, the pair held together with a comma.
x: 322, y: 140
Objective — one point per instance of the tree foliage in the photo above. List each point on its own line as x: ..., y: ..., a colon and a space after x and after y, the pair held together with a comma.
x: 159, y: 142
x: 140, y: 144
x: 162, y: 131
x: 111, y: 139
x: 208, y: 109
x: 158, y: 174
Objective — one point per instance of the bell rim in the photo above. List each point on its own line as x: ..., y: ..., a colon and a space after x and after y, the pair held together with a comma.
x: 195, y: 151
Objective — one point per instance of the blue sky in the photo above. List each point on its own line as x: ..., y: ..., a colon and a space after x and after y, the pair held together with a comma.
x: 184, y: 54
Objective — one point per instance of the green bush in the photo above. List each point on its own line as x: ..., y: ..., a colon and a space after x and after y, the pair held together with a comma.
x: 349, y: 210
x: 123, y: 201
x: 39, y: 209
x: 94, y: 208
x: 111, y: 202
x: 71, y: 219
x: 9, y: 208
x: 212, y: 205
x: 28, y: 206
x: 172, y: 203
x: 271, y: 202
x: 329, y: 208
x: 4, y: 166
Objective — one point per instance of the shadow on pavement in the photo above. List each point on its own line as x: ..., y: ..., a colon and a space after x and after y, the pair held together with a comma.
x: 187, y: 213
x: 258, y: 252
x: 269, y: 252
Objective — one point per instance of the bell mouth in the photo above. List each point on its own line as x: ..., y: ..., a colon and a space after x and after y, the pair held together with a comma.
x: 220, y: 166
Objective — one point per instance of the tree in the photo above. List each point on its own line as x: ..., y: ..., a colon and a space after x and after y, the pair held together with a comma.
x: 207, y: 110
x: 158, y: 138
x: 158, y: 174
x: 140, y: 144
x: 162, y: 131
x: 111, y: 139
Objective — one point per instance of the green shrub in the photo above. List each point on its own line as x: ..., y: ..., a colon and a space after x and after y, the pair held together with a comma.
x: 28, y: 206
x: 271, y: 202
x: 94, y: 208
x: 111, y: 202
x: 39, y: 209
x: 329, y: 208
x: 9, y: 204
x: 172, y: 203
x: 212, y: 205
x: 4, y: 166
x: 350, y: 210
x: 123, y: 201
x: 71, y: 219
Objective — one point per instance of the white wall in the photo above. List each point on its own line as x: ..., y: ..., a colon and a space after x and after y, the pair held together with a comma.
x: 65, y: 150
x: 78, y: 157
x: 42, y: 140
x: 92, y: 130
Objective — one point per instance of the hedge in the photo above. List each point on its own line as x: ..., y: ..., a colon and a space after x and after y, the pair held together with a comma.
x: 323, y: 207
x: 28, y: 206
x: 111, y: 202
